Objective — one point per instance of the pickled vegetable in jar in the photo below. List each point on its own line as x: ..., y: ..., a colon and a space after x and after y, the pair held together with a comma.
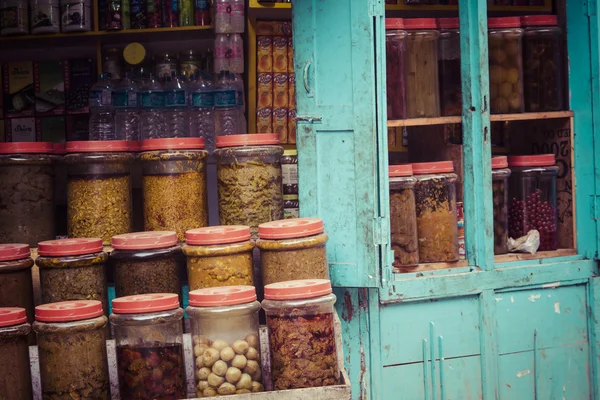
x: 449, y: 67
x: 14, y: 354
x: 500, y: 174
x: 395, y: 58
x: 15, y: 278
x: 403, y: 217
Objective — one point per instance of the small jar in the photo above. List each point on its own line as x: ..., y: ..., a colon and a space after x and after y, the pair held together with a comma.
x: 226, y: 340
x: 98, y: 189
x: 293, y: 249
x: 500, y: 174
x: 71, y: 340
x: 219, y: 256
x: 532, y: 193
x: 14, y: 354
x: 45, y: 16
x: 449, y: 67
x: 395, y: 53
x: 72, y: 269
x: 149, y: 331
x: 165, y: 64
x: 403, y: 217
x: 437, y: 225
x: 76, y: 15
x: 15, y: 278
x: 300, y: 321
x: 291, y: 206
x: 112, y: 62
x: 14, y: 15
x: 189, y: 63
x: 289, y: 172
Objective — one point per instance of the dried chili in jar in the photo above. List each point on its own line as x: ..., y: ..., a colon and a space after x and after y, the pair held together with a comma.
x: 403, y: 217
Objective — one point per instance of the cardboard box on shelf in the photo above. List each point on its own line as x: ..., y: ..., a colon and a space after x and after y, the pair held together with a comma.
x: 21, y: 130
x: 269, y: 28
x: 280, y: 54
x: 264, y: 120
x: 280, y: 124
x: 2, y: 130
x: 264, y: 91
x: 51, y: 129
x: 49, y: 82
x: 292, y: 90
x: 264, y: 59
x: 80, y: 75
x: 290, y: 54
x: 292, y: 126
x: 18, y: 93
x: 280, y: 90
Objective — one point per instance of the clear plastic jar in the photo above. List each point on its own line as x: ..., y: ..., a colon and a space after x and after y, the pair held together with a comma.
x: 15, y: 278
x: 543, y: 63
x: 14, y: 354
x: 76, y: 15
x: 174, y: 184
x: 165, y: 64
x: 532, y: 191
x: 45, y: 16
x: 98, y: 189
x: 189, y: 62
x: 14, y: 17
x: 500, y: 174
x: 219, y: 256
x: 506, y: 66
x: 27, y: 192
x: 449, y: 67
x: 71, y: 339
x: 289, y: 172
x: 149, y: 331
x: 112, y: 62
x: 226, y: 340
x: 437, y: 225
x: 422, y: 83
x: 300, y: 321
x: 249, y: 180
x: 403, y: 217
x: 395, y: 53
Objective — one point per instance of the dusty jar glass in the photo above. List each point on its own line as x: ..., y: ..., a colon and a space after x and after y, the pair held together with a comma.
x: 27, y: 192
x: 403, y: 217
x: 395, y: 58
x: 449, y: 67
x: 300, y: 321
x: 219, y: 256
x: 500, y: 174
x: 15, y: 278
x: 148, y: 331
x: 14, y: 354
x: 98, y: 189
x: 226, y: 340
x: 71, y: 339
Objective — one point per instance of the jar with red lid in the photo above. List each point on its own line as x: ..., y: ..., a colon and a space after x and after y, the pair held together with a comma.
x: 500, y: 174
x: 437, y: 225
x: 72, y: 269
x: 449, y: 67
x: 300, y: 321
x: 543, y: 63
x: 14, y: 354
x: 27, y: 192
x: 403, y: 216
x: 532, y: 191
x: 506, y: 66
x: 149, y: 332
x: 226, y: 340
x: 15, y: 278
x: 395, y: 55
x: 293, y: 249
x: 219, y: 256
x: 98, y: 189
x: 71, y: 339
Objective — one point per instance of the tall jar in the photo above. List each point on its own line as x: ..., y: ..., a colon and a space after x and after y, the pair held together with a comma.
x: 112, y: 62
x: 72, y: 269
x: 437, y: 225
x: 219, y: 256
x: 76, y: 15
x: 226, y: 340
x: 98, y: 189
x: 189, y: 62
x: 395, y: 58
x: 14, y: 17
x: 506, y: 66
x: 249, y: 180
x: 403, y: 217
x: 165, y: 64
x: 27, y: 192
x: 148, y: 331
x: 174, y: 185
x: 500, y: 174
x: 300, y: 321
x: 543, y: 63
x: 71, y: 339
x: 45, y: 16
x: 14, y: 354
x: 449, y: 67
x: 532, y: 190
x: 15, y: 278
x: 422, y: 84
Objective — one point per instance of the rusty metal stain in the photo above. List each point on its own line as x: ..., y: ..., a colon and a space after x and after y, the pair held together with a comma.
x: 348, y: 311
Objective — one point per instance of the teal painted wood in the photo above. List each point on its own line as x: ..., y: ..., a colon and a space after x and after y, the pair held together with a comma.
x: 594, y: 333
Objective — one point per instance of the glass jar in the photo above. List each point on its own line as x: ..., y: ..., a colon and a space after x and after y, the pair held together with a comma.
x: 289, y: 172
x: 300, y: 321
x: 45, y: 16
x: 293, y: 249
x: 14, y: 354
x: 165, y: 64
x: 76, y: 15
x: 98, y: 189
x: 27, y: 192
x: 506, y: 67
x: 422, y: 83
x: 174, y: 184
x: 543, y: 63
x: 437, y: 225
x: 219, y: 256
x: 395, y: 53
x: 249, y: 180
x: 72, y: 269
x: 532, y: 190
x: 15, y: 278
x: 500, y: 174
x: 449, y: 67
x: 149, y: 331
x: 71, y: 339
x: 403, y: 217
x: 189, y: 62
x: 112, y: 62
x: 291, y: 206
x: 14, y: 15
x: 226, y: 340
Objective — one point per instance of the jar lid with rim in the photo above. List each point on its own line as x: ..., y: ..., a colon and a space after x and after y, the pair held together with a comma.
x: 222, y: 296
x: 291, y: 228
x: 97, y: 146
x: 14, y: 251
x: 395, y: 171
x: 11, y: 316
x: 173, y: 144
x: 504, y: 22
x: 144, y: 240
x: 134, y: 146
x: 217, y: 235
x: 448, y: 23
x: 145, y: 303
x: 539, y: 20
x: 69, y: 247
x: 543, y: 160
x: 420, y: 23
x: 60, y: 148
x: 249, y: 139
x: 68, y: 311
x: 297, y: 290
x: 26, y: 148
x: 394, y: 23
x: 438, y: 167
x: 499, y: 162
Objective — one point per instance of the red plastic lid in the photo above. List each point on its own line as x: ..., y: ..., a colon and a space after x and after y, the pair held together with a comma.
x: 448, y: 23
x: 295, y: 290
x: 433, y: 167
x: 400, y: 170
x: 222, y: 296
x: 69, y: 247
x: 145, y: 303
x: 10, y: 316
x: 144, y: 240
x: 60, y: 148
x: 539, y: 20
x: 217, y: 235
x: 543, y: 160
x: 504, y: 22
x: 291, y: 228
x: 134, y: 145
x: 394, y: 23
x: 173, y: 144
x: 420, y: 23
x: 254, y: 139
x: 66, y: 311
x: 499, y: 162
x: 97, y: 146
x: 26, y: 148
x: 16, y: 251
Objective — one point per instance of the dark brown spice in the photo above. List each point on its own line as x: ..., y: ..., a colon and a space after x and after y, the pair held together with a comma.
x: 500, y: 197
x: 403, y: 227
x: 14, y: 363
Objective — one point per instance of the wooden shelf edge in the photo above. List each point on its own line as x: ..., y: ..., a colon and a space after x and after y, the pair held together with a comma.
x: 494, y: 118
x: 432, y: 267
x: 506, y: 258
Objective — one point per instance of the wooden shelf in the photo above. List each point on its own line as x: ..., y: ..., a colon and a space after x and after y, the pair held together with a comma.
x: 506, y: 258
x: 269, y: 6
x: 432, y: 267
x: 493, y: 118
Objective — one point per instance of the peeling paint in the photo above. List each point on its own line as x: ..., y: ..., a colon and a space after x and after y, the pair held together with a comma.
x: 348, y: 312
x: 512, y: 299
x: 557, y: 307
x: 521, y: 374
x: 498, y: 299
x: 551, y: 285
x: 534, y: 297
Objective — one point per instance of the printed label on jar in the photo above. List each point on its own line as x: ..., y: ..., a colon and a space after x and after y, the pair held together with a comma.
x: 152, y: 100
x: 202, y: 5
x: 175, y: 98
x: 165, y: 69
x: 289, y: 174
x: 45, y: 16
x: 226, y: 98
x: 203, y: 99
x: 13, y: 17
x: 289, y: 213
x: 74, y: 15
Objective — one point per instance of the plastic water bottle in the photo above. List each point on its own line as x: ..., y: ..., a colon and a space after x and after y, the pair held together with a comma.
x: 125, y: 103
x: 222, y: 51
x: 102, y: 122
x: 236, y: 57
x: 176, y: 107
x: 202, y: 119
x: 229, y: 16
x: 226, y: 107
x: 237, y: 16
x: 152, y: 105
x: 238, y: 82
